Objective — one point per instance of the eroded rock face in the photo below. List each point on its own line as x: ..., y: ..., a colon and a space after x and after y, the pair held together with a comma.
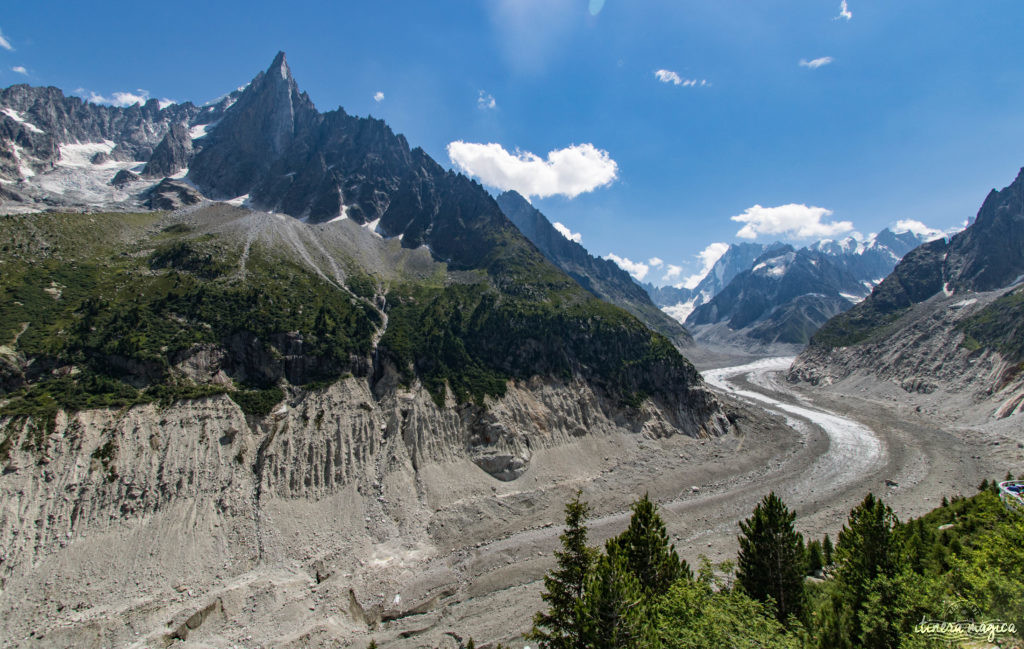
x: 922, y: 353
x: 102, y: 467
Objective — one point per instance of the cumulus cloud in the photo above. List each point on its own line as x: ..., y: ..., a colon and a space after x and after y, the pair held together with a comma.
x: 655, y: 262
x: 485, y: 101
x: 707, y: 257
x: 124, y: 99
x: 668, y: 76
x: 570, y: 172
x: 793, y: 220
x: 844, y: 11
x: 567, y: 233
x: 4, y: 43
x: 378, y: 96
x: 637, y: 269
x: 20, y: 69
x: 920, y: 229
x: 672, y: 272
x: 814, y: 64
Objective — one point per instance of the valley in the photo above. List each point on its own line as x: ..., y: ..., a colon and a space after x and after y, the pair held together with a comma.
x: 274, y: 377
x: 410, y: 556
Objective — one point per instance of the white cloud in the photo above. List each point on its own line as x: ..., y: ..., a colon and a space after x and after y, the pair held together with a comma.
x: 4, y: 43
x: 378, y: 96
x: 567, y: 233
x: 485, y: 101
x: 920, y: 229
x: 20, y: 69
x: 655, y: 262
x: 671, y: 272
x: 637, y: 269
x: 844, y: 11
x: 707, y: 257
x: 668, y: 76
x: 814, y: 64
x: 570, y: 171
x: 124, y: 99
x: 794, y: 220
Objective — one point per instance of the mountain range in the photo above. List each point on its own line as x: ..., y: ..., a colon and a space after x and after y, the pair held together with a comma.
x: 948, y: 319
x: 762, y: 294
x: 236, y: 336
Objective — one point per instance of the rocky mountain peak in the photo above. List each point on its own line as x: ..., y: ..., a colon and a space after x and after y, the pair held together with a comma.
x: 257, y: 130
x: 280, y: 65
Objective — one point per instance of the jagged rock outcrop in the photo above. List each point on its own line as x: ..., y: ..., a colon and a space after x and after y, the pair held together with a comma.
x: 170, y: 194
x: 602, y: 277
x: 58, y: 151
x: 171, y: 155
x: 123, y: 177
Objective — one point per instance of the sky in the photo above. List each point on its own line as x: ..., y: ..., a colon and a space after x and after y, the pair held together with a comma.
x: 653, y: 132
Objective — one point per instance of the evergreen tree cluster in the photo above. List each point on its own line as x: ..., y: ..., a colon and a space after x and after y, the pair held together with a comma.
x: 871, y: 590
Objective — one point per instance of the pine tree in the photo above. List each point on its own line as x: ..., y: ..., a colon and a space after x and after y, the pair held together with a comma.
x: 815, y: 561
x: 868, y: 555
x: 614, y: 613
x: 647, y: 551
x: 867, y: 547
x: 559, y: 627
x: 826, y: 551
x: 770, y: 563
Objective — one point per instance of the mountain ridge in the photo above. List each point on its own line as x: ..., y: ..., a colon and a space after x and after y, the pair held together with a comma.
x: 601, y: 277
x: 946, y: 321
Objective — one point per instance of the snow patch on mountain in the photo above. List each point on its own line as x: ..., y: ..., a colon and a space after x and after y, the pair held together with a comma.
x: 20, y: 118
x: 681, y: 311
x: 201, y: 130
x: 80, y: 155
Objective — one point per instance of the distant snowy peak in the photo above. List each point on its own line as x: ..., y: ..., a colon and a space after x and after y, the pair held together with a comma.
x: 775, y: 266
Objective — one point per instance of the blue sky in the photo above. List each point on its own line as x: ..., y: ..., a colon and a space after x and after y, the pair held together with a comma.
x: 913, y: 109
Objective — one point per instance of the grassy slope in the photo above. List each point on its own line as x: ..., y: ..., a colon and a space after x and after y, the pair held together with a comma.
x: 103, y: 326
x: 103, y: 306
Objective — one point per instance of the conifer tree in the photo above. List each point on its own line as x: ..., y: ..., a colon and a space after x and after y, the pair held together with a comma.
x: 826, y: 551
x: 770, y: 563
x: 559, y: 627
x: 869, y: 560
x: 646, y: 549
x: 614, y: 613
x: 815, y: 561
x: 867, y: 547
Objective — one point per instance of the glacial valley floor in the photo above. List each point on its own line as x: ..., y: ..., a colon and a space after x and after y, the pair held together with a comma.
x: 481, y: 576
